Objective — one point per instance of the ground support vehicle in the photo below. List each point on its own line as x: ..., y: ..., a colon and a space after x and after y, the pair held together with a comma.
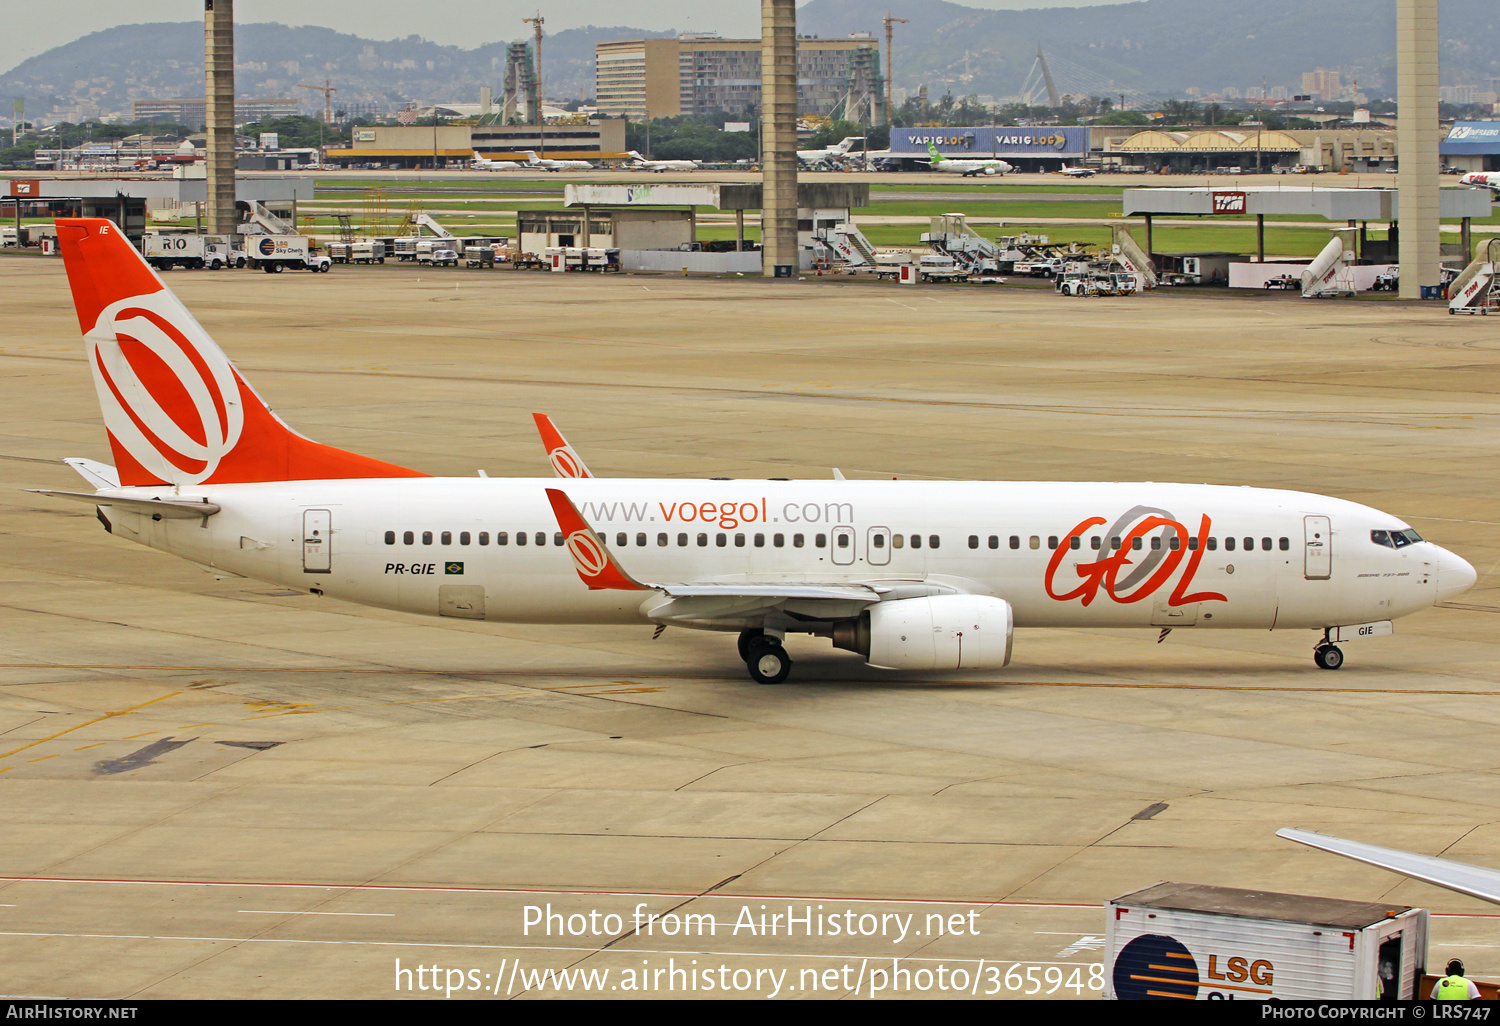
x: 935, y: 267
x: 1193, y: 941
x: 164, y: 251
x: 276, y: 253
x: 1285, y: 282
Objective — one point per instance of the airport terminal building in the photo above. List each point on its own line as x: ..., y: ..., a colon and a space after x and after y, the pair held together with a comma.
x: 411, y: 146
x: 1472, y: 146
x: 1034, y: 148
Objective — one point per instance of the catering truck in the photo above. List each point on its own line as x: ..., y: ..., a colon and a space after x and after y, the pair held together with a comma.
x: 275, y: 253
x: 1193, y: 941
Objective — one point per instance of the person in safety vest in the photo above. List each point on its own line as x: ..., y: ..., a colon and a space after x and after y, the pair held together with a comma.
x: 1454, y: 986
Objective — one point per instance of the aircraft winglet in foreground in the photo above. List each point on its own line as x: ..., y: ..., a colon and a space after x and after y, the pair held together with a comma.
x: 910, y: 575
x: 1475, y: 881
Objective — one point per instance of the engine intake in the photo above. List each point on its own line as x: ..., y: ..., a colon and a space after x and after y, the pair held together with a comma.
x: 944, y: 632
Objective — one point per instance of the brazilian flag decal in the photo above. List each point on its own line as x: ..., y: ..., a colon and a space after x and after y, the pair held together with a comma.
x: 453, y: 568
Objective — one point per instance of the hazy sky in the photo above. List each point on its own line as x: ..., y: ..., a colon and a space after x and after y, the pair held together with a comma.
x: 32, y: 27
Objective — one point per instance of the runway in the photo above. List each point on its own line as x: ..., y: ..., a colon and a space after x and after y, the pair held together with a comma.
x: 226, y: 788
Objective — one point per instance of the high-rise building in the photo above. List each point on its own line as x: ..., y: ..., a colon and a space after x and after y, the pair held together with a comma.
x: 697, y: 73
x: 194, y: 113
x: 1323, y: 84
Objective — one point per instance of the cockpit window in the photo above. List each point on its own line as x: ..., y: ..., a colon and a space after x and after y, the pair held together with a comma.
x: 1382, y: 538
x: 1395, y: 539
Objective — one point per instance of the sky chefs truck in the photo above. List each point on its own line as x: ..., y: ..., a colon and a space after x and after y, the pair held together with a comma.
x: 276, y: 253
x: 1176, y: 941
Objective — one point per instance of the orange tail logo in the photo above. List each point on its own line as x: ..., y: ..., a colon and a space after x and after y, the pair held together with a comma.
x: 176, y: 410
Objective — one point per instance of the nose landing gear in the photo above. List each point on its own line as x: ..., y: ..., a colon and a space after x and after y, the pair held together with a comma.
x: 764, y: 657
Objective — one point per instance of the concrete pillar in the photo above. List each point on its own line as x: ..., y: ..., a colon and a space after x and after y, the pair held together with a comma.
x: 1417, y: 133
x: 778, y: 113
x: 739, y: 230
x: 218, y: 64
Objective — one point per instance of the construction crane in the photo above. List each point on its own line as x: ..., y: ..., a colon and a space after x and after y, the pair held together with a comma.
x: 541, y: 101
x: 889, y: 21
x: 327, y: 89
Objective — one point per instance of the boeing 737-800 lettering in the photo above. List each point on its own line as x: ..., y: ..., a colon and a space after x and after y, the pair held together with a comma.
x: 910, y: 575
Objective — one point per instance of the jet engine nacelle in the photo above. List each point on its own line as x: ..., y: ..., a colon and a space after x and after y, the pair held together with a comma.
x: 945, y: 632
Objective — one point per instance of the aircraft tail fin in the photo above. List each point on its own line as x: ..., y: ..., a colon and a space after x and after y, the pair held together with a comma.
x: 176, y: 410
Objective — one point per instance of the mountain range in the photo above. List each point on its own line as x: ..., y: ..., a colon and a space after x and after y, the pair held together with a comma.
x: 1161, y: 47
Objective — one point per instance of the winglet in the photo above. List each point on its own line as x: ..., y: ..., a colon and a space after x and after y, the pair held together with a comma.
x: 565, y: 462
x: 592, y: 559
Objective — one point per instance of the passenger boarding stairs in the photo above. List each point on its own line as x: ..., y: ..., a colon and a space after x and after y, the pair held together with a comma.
x: 951, y: 236
x: 1332, y: 272
x: 263, y: 222
x: 1128, y: 253
x: 848, y: 245
x: 1474, y: 291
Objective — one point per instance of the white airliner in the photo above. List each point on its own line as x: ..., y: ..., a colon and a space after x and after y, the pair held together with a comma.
x: 1077, y: 172
x: 910, y: 575
x: 968, y: 167
x: 483, y: 163
x: 829, y: 154
x: 1487, y: 179
x: 548, y: 164
x: 640, y: 163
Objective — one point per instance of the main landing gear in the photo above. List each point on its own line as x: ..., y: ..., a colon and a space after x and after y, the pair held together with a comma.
x: 764, y: 657
x: 1327, y: 655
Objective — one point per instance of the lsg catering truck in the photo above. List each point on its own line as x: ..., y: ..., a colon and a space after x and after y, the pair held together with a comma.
x: 1178, y: 941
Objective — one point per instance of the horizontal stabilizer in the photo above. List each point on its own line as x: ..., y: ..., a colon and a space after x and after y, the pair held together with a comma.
x: 1475, y: 881
x: 167, y: 509
x: 100, y: 475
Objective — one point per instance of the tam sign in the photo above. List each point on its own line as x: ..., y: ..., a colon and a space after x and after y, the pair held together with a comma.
x: 1228, y: 202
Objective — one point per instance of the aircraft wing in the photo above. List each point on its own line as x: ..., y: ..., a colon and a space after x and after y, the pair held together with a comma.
x: 1475, y: 881
x: 702, y: 602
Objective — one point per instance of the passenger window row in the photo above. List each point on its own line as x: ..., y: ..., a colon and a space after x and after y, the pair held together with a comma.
x: 1173, y: 542
x: 622, y: 539
x: 466, y: 538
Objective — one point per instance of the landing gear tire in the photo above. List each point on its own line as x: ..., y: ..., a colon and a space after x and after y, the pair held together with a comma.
x: 746, y: 637
x: 768, y: 662
x: 1328, y: 657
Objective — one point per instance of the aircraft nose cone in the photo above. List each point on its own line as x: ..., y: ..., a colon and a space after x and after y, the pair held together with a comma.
x: 1455, y: 576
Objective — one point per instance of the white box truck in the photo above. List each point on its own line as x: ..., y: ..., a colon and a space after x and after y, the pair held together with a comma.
x: 165, y: 250
x: 1194, y: 941
x: 275, y: 253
